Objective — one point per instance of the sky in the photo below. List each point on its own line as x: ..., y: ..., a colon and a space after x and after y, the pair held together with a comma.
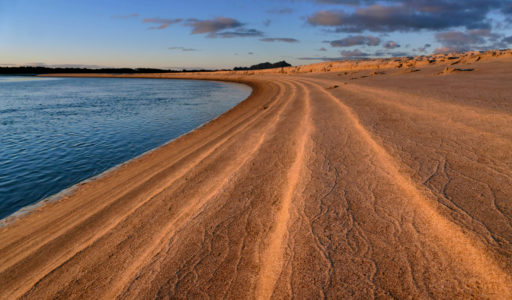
x: 193, y: 34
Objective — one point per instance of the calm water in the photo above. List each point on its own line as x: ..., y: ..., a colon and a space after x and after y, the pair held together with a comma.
x: 56, y: 132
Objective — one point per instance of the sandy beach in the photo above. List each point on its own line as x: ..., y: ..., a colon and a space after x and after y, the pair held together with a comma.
x: 372, y: 179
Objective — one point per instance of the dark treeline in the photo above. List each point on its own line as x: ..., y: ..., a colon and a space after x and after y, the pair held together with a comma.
x: 265, y: 65
x: 46, y: 70
x: 31, y: 70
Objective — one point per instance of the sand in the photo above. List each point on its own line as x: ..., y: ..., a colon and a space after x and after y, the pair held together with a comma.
x: 329, y: 181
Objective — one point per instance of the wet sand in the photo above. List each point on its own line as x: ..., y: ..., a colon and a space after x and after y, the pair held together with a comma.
x: 392, y: 182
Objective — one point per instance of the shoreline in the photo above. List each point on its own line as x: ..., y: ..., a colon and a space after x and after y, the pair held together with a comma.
x: 25, y: 210
x: 321, y: 184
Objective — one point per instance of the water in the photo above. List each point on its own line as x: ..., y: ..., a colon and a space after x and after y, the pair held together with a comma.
x: 56, y: 132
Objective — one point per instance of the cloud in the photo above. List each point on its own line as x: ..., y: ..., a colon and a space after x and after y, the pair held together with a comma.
x: 250, y: 53
x: 357, y: 54
x: 322, y: 49
x: 408, y: 15
x: 212, y: 26
x: 238, y: 33
x: 391, y: 45
x: 458, y: 39
x: 507, y: 40
x: 267, y: 22
x: 345, y: 2
x: 354, y: 54
x: 182, y: 49
x: 422, y: 49
x: 476, y: 39
x: 507, y: 10
x: 162, y: 23
x: 327, y: 18
x: 284, y: 40
x: 221, y: 27
x: 356, y: 40
x: 280, y: 11
x: 125, y: 16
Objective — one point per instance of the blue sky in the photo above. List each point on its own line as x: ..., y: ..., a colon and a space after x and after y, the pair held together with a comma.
x: 228, y: 33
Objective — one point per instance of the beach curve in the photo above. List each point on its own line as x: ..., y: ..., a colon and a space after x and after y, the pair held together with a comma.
x: 318, y: 185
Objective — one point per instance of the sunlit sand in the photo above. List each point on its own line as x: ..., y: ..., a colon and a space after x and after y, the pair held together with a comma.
x: 378, y: 178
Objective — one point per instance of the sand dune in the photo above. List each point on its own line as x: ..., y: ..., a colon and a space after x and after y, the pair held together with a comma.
x: 366, y: 183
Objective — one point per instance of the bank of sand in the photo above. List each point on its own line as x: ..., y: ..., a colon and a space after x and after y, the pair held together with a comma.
x: 343, y: 182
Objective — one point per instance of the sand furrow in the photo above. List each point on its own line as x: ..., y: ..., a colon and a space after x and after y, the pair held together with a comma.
x: 405, y: 133
x: 167, y: 234
x: 272, y: 257
x: 463, y: 248
x: 245, y: 209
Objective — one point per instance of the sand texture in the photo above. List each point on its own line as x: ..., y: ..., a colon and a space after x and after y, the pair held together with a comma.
x: 379, y: 182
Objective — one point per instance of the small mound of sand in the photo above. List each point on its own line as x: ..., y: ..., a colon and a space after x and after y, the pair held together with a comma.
x: 410, y: 70
x: 377, y: 73
x: 449, y: 70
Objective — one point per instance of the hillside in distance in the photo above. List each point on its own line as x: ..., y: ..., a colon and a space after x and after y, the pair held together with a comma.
x: 264, y: 66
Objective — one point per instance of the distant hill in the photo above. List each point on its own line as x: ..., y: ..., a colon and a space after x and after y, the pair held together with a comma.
x: 265, y: 65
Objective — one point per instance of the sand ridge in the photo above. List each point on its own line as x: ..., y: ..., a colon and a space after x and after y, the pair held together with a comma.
x: 462, y: 247
x: 324, y: 183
